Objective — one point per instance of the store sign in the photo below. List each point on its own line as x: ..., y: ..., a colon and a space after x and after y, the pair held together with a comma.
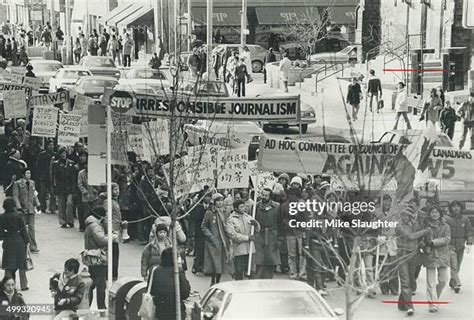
x: 220, y: 16
x: 288, y: 16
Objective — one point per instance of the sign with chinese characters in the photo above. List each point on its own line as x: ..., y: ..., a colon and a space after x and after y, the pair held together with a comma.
x: 233, y: 169
x: 265, y: 179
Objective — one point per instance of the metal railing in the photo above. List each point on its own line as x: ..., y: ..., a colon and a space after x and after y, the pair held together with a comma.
x: 325, y: 69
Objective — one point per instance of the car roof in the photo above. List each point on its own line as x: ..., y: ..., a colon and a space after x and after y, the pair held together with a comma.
x: 263, y: 285
x: 328, y: 138
x: 45, y: 62
x: 97, y: 57
x: 99, y: 78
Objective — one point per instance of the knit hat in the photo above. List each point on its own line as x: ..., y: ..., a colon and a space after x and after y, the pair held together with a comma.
x: 284, y: 176
x: 161, y: 227
x: 324, y: 184
x: 217, y: 196
x: 297, y: 180
x: 277, y: 189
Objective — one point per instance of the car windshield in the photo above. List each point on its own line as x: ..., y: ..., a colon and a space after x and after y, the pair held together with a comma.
x: 149, y: 74
x: 46, y: 67
x: 99, y: 83
x: 73, y: 74
x: 274, y: 305
x: 91, y: 62
x: 346, y: 50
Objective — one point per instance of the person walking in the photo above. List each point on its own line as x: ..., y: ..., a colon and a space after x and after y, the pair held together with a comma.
x: 92, y: 45
x: 113, y: 47
x: 128, y: 47
x: 163, y: 288
x: 103, y: 46
x: 84, y: 45
x: 239, y: 229
x: 67, y: 289
x: 401, y: 106
x: 24, y: 194
x: 42, y: 174
x: 217, y: 255
x: 437, y: 259
x: 15, y: 241
x: 447, y: 119
x: 431, y: 107
x: 9, y: 297
x: 285, y: 66
x: 462, y: 233
x: 374, y: 89
x: 89, y: 196
x: 62, y: 173
x: 151, y: 255
x: 268, y: 58
x: 408, y: 233
x: 267, y: 254
x: 247, y: 58
x: 77, y: 50
x: 241, y: 77
x: 46, y: 38
x: 354, y: 94
x: 116, y: 228
x: 467, y: 112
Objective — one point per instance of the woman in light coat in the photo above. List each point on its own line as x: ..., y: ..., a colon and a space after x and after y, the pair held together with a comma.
x: 401, y: 106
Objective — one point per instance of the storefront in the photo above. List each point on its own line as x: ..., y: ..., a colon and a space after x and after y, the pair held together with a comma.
x: 226, y: 22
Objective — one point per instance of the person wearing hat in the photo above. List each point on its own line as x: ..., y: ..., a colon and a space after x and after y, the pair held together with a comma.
x: 284, y: 180
x: 461, y: 235
x: 217, y: 254
x: 12, y: 171
x: 29, y: 71
x: 296, y: 183
x: 151, y: 255
x: 409, y: 233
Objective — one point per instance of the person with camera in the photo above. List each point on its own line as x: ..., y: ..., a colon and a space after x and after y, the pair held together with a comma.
x: 408, y: 233
x: 435, y: 246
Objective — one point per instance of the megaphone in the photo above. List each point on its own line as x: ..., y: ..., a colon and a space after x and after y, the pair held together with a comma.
x: 125, y: 235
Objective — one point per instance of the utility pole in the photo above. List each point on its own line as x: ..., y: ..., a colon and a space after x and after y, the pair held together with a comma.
x: 190, y: 25
x: 68, y: 41
x: 209, y: 38
x: 157, y: 13
x: 243, y: 24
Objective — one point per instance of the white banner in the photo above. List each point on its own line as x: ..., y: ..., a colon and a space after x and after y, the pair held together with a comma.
x: 69, y: 128
x: 265, y: 179
x: 233, y: 169
x: 14, y: 104
x: 119, y: 148
x: 44, y: 121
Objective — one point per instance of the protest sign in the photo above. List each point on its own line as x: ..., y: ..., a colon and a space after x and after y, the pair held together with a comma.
x: 180, y: 181
x: 233, y: 170
x: 201, y: 169
x: 8, y: 86
x: 44, y: 121
x: 69, y: 128
x: 34, y: 83
x: 265, y: 179
x: 14, y: 104
x: 118, y: 144
x: 120, y: 121
x: 156, y: 140
x: 81, y: 106
x: 50, y: 99
x: 217, y: 108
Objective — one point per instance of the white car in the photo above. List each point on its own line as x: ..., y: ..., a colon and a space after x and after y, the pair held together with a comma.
x: 66, y: 78
x: 45, y: 69
x: 236, y: 135
x: 346, y: 55
x: 144, y: 80
x: 263, y: 299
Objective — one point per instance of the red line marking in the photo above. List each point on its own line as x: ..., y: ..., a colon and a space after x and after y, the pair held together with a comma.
x: 415, y: 70
x: 414, y: 302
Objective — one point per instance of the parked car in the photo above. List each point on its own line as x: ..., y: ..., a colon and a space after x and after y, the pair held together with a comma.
x: 144, y: 79
x: 235, y: 135
x: 100, y: 66
x: 346, y: 55
x: 263, y: 299
x: 45, y: 69
x: 408, y: 136
x: 93, y: 86
x: 66, y: 78
x: 308, y: 116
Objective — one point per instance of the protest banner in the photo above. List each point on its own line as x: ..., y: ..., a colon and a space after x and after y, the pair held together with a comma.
x: 50, y: 99
x: 233, y: 170
x: 156, y: 139
x: 69, y: 128
x: 204, y: 107
x: 181, y: 181
x: 118, y: 144
x: 8, y: 86
x: 45, y: 121
x: 202, y: 168
x: 81, y: 105
x: 265, y: 179
x: 14, y: 104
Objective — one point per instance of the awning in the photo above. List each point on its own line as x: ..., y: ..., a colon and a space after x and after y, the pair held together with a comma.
x: 287, y: 15
x: 113, y: 13
x: 125, y: 12
x: 221, y: 16
x: 141, y: 18
x: 342, y: 15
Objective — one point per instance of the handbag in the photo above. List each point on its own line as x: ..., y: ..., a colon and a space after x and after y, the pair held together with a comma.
x: 380, y: 105
x: 147, y: 309
x: 29, y: 261
x: 94, y: 257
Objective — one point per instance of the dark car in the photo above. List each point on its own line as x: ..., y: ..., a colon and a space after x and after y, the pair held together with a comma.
x: 93, y: 86
x: 100, y: 66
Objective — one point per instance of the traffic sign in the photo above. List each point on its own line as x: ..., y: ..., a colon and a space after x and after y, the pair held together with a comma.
x: 121, y: 101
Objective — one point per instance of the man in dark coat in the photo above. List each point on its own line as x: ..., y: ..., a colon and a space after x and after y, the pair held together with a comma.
x: 62, y: 173
x: 374, y: 89
x: 12, y: 171
x: 269, y: 58
x: 163, y: 288
x: 354, y: 92
x: 42, y: 176
x: 199, y: 239
x: 267, y: 255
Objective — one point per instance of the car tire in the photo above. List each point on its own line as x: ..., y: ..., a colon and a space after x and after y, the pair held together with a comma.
x: 304, y: 128
x: 257, y: 66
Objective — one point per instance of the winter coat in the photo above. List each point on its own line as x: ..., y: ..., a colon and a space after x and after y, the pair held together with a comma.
x: 467, y: 112
x: 241, y: 72
x: 116, y: 216
x: 447, y: 117
x: 15, y: 238
x: 163, y: 292
x: 180, y: 235
x: 62, y: 172
x: 285, y: 66
x: 151, y: 255
x: 408, y: 234
x: 401, y: 104
x: 71, y: 289
x: 128, y: 46
x: 12, y: 172
x: 269, y: 57
x: 198, y: 215
x: 439, y: 254
x: 266, y: 240
x: 238, y: 229
x: 94, y: 235
x: 88, y: 193
x: 431, y: 108
x: 374, y: 85
x: 354, y: 93
x: 24, y: 194
x: 217, y: 252
x: 461, y: 231
x: 15, y: 301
